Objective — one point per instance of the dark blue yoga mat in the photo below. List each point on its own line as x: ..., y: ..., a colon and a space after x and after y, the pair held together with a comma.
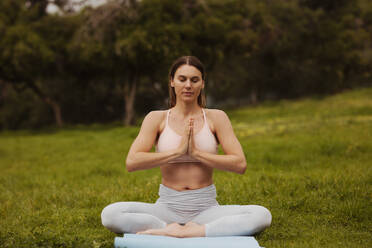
x: 154, y: 241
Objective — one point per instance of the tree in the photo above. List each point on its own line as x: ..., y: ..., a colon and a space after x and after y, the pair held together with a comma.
x: 28, y: 58
x: 131, y: 43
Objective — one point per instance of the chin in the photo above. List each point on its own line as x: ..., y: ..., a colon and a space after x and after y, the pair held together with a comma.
x: 189, y: 99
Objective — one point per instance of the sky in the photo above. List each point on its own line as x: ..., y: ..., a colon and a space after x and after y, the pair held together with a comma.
x: 53, y: 9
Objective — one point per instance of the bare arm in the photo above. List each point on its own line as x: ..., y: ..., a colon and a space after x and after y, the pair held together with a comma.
x: 139, y: 155
x: 233, y: 160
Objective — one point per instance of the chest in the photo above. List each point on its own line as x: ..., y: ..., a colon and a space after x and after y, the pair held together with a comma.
x: 179, y: 126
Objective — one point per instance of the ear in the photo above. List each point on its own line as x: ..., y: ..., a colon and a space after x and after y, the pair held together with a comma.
x: 203, y: 85
x: 171, y: 82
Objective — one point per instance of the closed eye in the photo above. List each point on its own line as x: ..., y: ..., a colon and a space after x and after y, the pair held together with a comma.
x: 195, y: 79
x: 182, y: 78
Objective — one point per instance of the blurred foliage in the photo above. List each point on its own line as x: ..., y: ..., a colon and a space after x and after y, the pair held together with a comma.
x: 111, y: 62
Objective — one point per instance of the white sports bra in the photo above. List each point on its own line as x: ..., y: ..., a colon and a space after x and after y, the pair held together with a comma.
x: 170, y: 140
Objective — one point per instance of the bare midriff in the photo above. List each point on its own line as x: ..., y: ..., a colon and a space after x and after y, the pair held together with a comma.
x: 186, y: 176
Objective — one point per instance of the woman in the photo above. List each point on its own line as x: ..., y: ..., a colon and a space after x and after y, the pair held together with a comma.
x: 186, y: 138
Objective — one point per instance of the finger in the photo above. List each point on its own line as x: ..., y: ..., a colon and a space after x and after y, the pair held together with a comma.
x: 190, y: 134
x: 187, y: 130
x: 191, y: 122
x: 191, y: 138
x: 189, y: 145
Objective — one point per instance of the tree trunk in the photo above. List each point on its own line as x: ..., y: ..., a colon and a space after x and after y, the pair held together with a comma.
x: 253, y: 96
x: 4, y: 90
x: 53, y: 104
x: 57, y: 111
x: 130, y: 89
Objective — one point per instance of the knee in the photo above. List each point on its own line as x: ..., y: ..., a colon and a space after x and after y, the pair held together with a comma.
x: 108, y: 216
x: 264, y: 216
x: 110, y: 213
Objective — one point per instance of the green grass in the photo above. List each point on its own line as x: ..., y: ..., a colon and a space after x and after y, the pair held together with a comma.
x: 309, y: 162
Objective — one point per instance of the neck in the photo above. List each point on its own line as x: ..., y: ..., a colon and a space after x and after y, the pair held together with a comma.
x: 187, y: 109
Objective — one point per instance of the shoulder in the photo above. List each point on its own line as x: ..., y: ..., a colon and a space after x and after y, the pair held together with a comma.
x: 156, y: 115
x: 216, y: 115
x: 217, y: 118
x: 155, y: 119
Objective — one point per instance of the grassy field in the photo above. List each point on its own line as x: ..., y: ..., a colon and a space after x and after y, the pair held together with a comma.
x: 309, y: 162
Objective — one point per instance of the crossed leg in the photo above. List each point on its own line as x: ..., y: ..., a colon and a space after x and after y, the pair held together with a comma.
x: 233, y: 220
x: 226, y: 220
x: 132, y: 217
x: 147, y: 218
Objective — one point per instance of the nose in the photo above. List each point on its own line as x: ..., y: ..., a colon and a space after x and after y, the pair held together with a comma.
x: 188, y: 84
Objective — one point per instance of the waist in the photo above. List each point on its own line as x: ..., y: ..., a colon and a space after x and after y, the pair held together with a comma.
x: 185, y: 186
x: 188, y: 201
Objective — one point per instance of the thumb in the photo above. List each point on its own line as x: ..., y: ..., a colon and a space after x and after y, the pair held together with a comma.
x: 191, y: 123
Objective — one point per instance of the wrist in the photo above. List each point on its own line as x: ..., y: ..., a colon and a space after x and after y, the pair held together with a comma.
x: 177, y: 152
x: 195, y: 153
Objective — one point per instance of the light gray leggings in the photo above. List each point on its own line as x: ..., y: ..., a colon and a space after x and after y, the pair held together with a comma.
x: 199, y: 206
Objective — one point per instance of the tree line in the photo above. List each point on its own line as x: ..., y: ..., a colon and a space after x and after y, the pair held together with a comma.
x: 111, y: 63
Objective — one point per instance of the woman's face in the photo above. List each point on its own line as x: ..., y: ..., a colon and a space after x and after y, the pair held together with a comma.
x: 187, y: 83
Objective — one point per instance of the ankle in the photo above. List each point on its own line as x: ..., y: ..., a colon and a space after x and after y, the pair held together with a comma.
x: 194, y: 230
x: 175, y: 230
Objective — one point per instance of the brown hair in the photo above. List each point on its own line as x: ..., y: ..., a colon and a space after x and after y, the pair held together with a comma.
x: 186, y: 60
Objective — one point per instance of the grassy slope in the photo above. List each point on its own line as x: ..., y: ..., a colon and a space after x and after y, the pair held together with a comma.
x: 309, y: 163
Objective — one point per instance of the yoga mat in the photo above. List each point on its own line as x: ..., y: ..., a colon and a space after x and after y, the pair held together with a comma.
x: 155, y: 241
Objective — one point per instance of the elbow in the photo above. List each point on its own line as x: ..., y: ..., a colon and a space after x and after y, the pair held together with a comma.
x: 242, y: 167
x: 129, y: 169
x: 129, y: 165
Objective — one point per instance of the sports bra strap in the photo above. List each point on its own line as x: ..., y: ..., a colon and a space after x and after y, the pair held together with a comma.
x: 166, y: 123
x: 205, y: 118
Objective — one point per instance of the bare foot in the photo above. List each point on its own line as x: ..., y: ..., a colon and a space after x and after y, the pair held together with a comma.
x: 190, y: 229
x: 193, y: 229
x: 172, y: 230
x: 153, y: 232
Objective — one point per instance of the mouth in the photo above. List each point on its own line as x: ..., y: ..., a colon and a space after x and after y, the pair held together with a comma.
x: 187, y: 93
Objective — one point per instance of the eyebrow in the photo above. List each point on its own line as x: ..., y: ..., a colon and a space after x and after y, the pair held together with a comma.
x: 191, y: 77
